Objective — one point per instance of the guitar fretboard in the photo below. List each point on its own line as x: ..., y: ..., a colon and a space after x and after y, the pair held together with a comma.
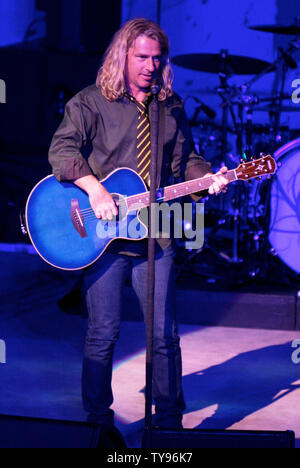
x: 176, y: 191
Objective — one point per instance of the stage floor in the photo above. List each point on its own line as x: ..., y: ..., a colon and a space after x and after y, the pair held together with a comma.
x: 235, y: 378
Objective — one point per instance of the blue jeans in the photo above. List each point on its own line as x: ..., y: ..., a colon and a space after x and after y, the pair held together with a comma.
x: 104, y: 282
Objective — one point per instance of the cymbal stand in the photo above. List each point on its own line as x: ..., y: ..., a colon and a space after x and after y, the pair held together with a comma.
x: 225, y: 92
x: 249, y: 130
x: 279, y: 99
x: 293, y: 47
x: 239, y: 92
x: 242, y: 123
x: 222, y: 90
x: 240, y: 148
x: 285, y: 58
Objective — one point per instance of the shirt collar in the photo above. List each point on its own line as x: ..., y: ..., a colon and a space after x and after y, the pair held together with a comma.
x: 146, y: 100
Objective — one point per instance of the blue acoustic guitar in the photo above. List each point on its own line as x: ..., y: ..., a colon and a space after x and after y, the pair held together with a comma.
x: 65, y: 231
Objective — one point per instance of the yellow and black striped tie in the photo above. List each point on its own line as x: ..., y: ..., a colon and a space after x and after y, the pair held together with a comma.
x: 143, y: 142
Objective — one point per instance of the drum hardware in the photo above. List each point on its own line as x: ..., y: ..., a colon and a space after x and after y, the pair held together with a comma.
x: 284, y: 58
x: 276, y: 108
x: 287, y: 61
x: 249, y: 211
x: 243, y: 148
x: 273, y: 99
x: 208, y: 111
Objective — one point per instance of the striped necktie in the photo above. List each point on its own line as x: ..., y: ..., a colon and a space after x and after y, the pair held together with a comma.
x: 143, y: 141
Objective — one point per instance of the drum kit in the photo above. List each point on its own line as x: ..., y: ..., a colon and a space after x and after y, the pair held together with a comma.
x: 247, y: 218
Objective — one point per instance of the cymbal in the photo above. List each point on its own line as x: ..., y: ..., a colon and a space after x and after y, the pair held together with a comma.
x: 292, y: 29
x: 277, y: 109
x: 217, y: 63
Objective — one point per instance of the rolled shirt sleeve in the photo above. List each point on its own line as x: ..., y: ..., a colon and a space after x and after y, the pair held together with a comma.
x: 68, y: 143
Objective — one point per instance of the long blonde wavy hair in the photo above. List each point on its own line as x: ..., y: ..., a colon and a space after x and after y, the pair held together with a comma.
x: 111, y: 75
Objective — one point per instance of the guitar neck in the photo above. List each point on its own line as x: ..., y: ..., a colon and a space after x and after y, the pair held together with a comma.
x: 176, y: 191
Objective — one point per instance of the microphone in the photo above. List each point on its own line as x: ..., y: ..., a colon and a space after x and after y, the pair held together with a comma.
x: 155, y: 86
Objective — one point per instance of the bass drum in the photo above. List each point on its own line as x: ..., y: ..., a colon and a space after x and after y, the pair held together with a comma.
x: 284, y: 229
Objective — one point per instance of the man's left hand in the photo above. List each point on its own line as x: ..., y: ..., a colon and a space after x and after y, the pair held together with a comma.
x: 219, y: 181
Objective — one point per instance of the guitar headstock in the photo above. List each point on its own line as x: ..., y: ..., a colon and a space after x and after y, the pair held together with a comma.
x: 256, y: 168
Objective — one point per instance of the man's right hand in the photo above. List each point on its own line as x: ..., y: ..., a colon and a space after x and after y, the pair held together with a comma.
x: 101, y: 200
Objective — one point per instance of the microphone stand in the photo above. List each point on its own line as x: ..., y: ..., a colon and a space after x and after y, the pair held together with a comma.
x: 146, y: 442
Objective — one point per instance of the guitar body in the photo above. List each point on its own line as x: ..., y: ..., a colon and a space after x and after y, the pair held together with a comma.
x: 66, y: 233
x: 63, y: 228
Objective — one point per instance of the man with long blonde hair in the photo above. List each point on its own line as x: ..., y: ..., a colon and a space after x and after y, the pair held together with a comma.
x: 111, y: 78
x: 107, y: 126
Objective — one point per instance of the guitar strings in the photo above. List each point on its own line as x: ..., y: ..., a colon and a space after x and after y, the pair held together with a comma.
x: 139, y: 197
x: 88, y: 214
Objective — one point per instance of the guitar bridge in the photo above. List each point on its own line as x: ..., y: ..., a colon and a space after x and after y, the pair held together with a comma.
x: 77, y: 219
